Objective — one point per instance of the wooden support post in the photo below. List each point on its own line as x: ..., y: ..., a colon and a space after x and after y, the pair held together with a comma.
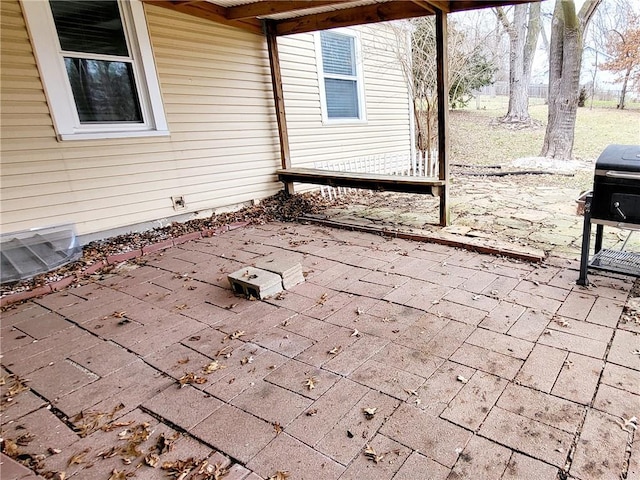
x: 442, y: 61
x: 278, y: 98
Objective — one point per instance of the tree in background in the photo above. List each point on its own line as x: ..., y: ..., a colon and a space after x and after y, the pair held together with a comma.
x: 470, y: 68
x: 623, y: 46
x: 523, y: 32
x: 565, y: 59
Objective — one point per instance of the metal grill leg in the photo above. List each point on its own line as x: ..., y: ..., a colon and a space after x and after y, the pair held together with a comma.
x: 586, y: 238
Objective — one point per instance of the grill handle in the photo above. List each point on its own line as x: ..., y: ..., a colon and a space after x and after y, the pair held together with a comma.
x: 629, y: 176
x: 616, y: 205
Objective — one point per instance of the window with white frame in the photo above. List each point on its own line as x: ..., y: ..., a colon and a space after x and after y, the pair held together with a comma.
x: 97, y: 67
x: 341, y: 82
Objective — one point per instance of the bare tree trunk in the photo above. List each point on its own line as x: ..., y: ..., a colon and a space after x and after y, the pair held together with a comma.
x: 565, y: 58
x: 523, y: 38
x: 533, y: 32
x: 623, y: 92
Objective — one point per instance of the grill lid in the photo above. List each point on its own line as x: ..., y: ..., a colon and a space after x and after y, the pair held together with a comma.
x: 622, y: 158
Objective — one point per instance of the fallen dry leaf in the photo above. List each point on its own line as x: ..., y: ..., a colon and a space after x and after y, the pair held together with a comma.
x: 277, y: 427
x: 17, y: 386
x: 117, y: 475
x: 237, y: 334
x: 212, y: 472
x: 359, y: 311
x: 182, y: 361
x: 9, y: 448
x: 225, y: 352
x: 323, y: 298
x: 118, y: 314
x: 53, y: 451
x: 90, y: 421
x: 355, y: 333
x: 113, y: 425
x: 151, y: 460
x: 460, y: 378
x: 370, y: 412
x: 25, y: 439
x: 165, y: 444
x: 279, y: 475
x: 78, y: 458
x: 180, y: 468
x: 335, y: 350
x: 246, y: 360
x: 371, y: 454
x: 212, y: 367
x: 310, y: 383
x: 191, y: 378
x: 312, y: 412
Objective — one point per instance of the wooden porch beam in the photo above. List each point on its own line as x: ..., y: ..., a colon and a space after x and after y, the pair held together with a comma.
x: 442, y: 86
x: 379, y: 12
x: 273, y: 7
x: 426, y: 5
x: 278, y: 99
x: 207, y: 11
x: 464, y: 5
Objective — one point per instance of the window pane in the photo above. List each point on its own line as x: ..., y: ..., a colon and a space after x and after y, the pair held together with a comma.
x: 103, y: 91
x: 90, y: 26
x: 337, y: 54
x: 342, y: 98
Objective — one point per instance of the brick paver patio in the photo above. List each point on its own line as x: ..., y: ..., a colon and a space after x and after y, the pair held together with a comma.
x: 394, y: 360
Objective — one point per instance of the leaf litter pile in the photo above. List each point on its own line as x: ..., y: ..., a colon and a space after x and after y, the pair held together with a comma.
x: 132, y: 447
x: 278, y: 207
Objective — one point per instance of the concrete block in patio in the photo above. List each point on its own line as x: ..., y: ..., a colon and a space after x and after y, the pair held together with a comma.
x: 286, y: 267
x: 255, y: 282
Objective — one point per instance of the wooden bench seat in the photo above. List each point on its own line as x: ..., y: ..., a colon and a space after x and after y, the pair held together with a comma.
x: 370, y: 181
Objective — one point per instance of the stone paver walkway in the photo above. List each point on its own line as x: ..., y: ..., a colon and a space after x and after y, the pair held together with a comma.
x: 530, y: 214
x: 394, y: 359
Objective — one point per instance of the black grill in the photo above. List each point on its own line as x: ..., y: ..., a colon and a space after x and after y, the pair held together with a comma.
x: 615, y: 201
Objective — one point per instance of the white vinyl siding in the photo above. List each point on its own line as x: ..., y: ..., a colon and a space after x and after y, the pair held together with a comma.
x: 387, y: 126
x: 223, y: 149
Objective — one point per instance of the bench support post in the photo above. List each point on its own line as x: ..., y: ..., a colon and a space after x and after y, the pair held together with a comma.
x: 442, y: 84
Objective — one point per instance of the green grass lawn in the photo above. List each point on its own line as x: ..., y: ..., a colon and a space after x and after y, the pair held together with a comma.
x: 477, y: 139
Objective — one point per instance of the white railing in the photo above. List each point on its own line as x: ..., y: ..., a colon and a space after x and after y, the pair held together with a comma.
x: 388, y: 164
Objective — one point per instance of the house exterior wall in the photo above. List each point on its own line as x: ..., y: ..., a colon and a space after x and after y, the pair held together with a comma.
x: 387, y: 126
x: 223, y: 145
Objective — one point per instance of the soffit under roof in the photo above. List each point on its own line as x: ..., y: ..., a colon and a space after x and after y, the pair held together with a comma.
x: 297, y: 16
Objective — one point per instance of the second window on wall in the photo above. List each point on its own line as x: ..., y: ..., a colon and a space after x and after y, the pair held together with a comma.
x: 341, y: 83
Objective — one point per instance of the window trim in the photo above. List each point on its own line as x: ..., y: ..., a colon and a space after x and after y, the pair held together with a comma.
x: 360, y: 85
x: 57, y: 88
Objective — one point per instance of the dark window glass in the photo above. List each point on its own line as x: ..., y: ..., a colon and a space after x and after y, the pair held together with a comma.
x: 104, y: 91
x: 89, y: 26
x: 342, y: 98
